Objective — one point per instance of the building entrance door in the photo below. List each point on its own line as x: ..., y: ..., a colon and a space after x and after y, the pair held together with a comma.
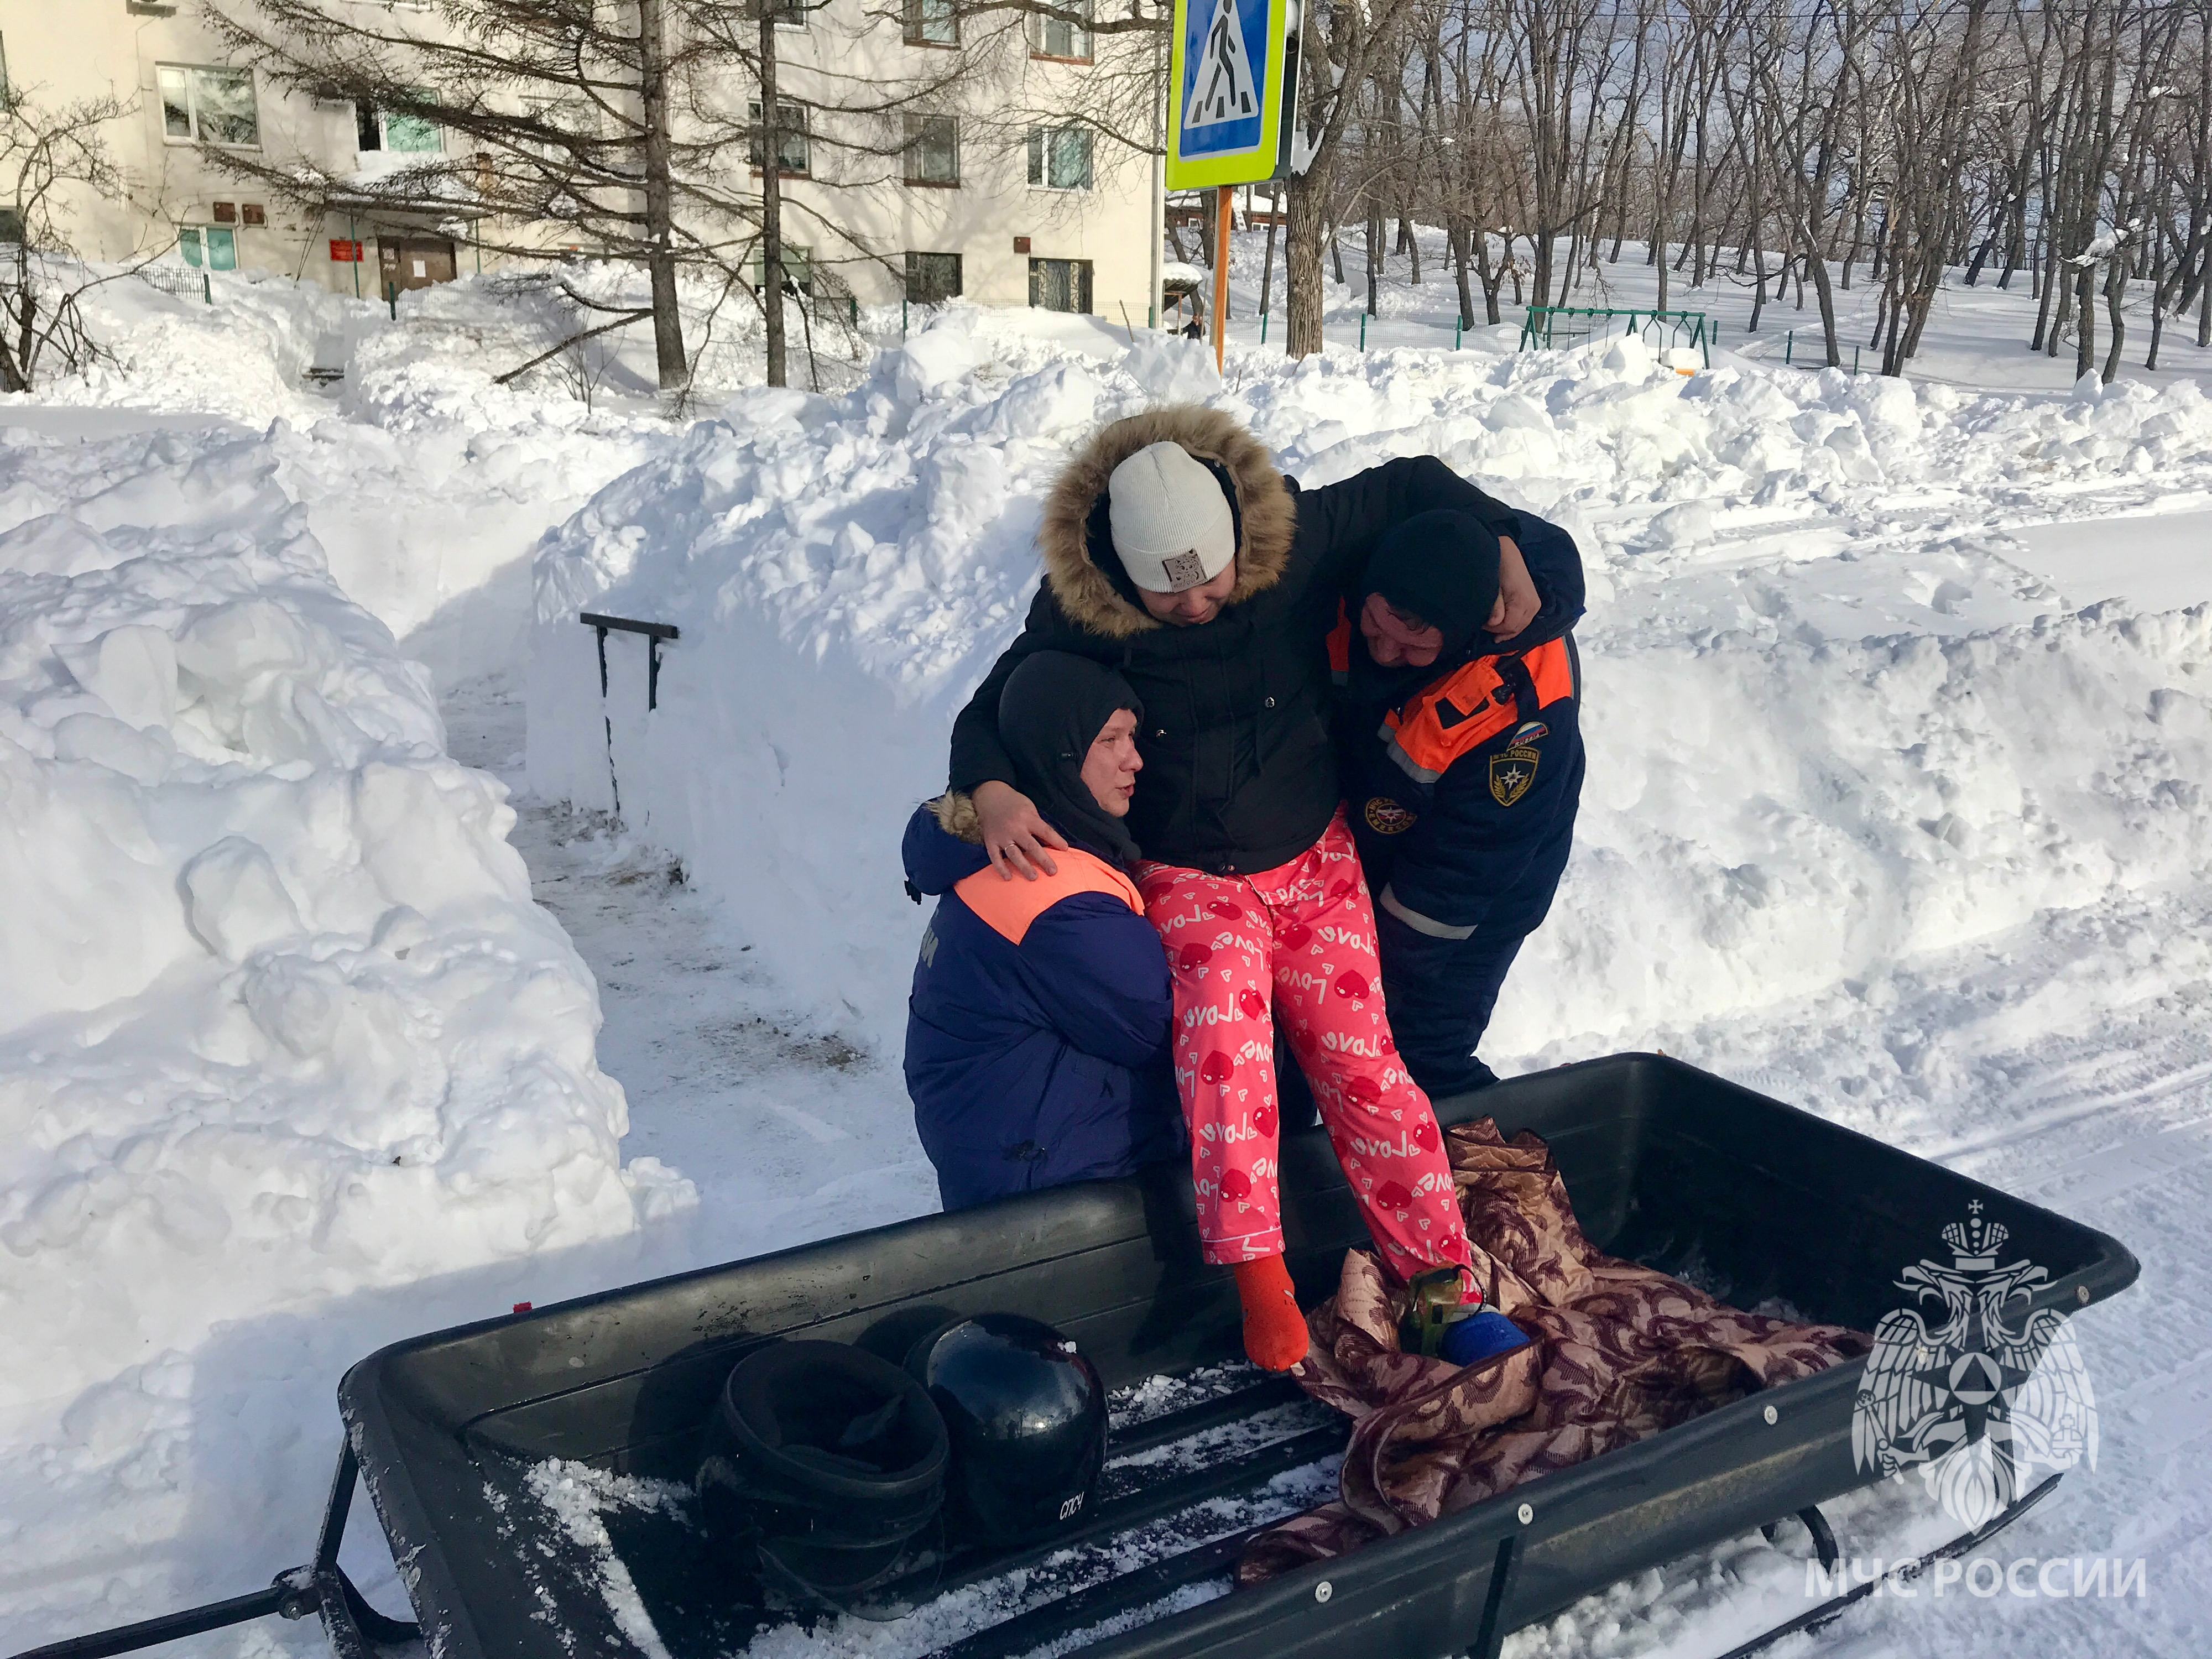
x: 408, y: 262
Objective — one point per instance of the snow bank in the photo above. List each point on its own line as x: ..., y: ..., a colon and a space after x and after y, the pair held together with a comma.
x: 427, y: 483
x: 843, y: 573
x: 1788, y: 780
x: 1764, y: 820
x: 278, y: 1018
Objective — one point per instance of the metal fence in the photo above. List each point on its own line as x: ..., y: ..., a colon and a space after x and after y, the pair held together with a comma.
x: 180, y: 280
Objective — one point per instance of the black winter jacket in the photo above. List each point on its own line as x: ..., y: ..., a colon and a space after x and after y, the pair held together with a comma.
x: 1239, y: 772
x: 1463, y: 779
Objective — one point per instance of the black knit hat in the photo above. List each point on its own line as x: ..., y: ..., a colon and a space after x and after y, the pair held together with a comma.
x: 1441, y: 568
x: 1051, y: 712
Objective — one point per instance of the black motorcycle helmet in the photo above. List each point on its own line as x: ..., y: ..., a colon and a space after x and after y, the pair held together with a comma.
x: 829, y: 1465
x: 1027, y: 1416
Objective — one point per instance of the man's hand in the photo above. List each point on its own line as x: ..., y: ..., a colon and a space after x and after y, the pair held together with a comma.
x: 1014, y: 834
x: 1517, y: 603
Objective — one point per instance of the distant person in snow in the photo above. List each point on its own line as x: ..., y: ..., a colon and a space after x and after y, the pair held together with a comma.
x: 1036, y: 1038
x: 1462, y: 768
x: 1175, y: 552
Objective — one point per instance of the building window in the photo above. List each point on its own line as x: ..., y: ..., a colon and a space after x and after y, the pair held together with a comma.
x: 798, y: 269
x: 932, y: 277
x: 1060, y: 284
x: 1058, y: 37
x: 1059, y: 158
x: 11, y: 227
x: 211, y: 246
x: 791, y: 152
x: 208, y: 106
x: 933, y: 150
x: 933, y: 23
x: 788, y: 14
x: 379, y: 129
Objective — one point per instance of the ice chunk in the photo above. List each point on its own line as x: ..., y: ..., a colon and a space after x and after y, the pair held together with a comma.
x: 1628, y: 357
x: 1514, y: 410
x: 144, y: 756
x: 1689, y: 525
x: 297, y: 1002
x: 230, y: 645
x: 132, y: 669
x: 235, y: 901
x: 1171, y: 369
x: 931, y: 361
x: 55, y: 544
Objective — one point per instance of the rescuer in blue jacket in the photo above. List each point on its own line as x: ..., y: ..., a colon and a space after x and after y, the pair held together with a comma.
x: 1037, y: 1046
x: 1462, y: 767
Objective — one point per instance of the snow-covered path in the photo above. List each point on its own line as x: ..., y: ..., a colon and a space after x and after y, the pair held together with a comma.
x: 779, y: 1125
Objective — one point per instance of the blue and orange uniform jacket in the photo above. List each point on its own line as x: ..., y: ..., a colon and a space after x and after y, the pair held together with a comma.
x: 1036, y: 1038
x: 1463, y: 796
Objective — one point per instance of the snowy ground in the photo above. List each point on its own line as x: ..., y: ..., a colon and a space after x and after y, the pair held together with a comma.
x: 1878, y: 822
x: 777, y: 1124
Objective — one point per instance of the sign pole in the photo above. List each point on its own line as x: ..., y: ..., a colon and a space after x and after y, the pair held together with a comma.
x: 1155, y: 210
x: 1222, y: 196
x: 1233, y: 76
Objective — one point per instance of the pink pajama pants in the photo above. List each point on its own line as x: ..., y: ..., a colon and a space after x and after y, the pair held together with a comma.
x: 1303, y: 935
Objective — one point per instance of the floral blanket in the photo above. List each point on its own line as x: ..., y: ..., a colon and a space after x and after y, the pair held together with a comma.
x: 1617, y: 1352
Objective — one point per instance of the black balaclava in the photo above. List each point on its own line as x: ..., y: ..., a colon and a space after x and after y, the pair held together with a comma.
x: 1440, y: 567
x: 1051, y: 712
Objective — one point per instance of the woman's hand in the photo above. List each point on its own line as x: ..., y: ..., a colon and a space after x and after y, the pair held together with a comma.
x: 1015, y: 835
x: 1517, y: 603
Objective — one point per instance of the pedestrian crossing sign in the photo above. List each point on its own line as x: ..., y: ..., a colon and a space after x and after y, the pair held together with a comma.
x: 1234, y: 76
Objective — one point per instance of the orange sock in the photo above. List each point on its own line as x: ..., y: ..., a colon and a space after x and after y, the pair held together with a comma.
x: 1275, y: 1330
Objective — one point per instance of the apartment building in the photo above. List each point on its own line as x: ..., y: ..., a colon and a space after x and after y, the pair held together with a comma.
x: 950, y: 194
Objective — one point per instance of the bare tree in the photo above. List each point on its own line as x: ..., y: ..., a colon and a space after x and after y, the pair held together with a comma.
x: 50, y: 160
x: 559, y: 127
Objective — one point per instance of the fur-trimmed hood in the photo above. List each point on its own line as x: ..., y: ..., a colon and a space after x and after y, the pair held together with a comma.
x: 1098, y: 599
x: 943, y: 846
x: 955, y: 814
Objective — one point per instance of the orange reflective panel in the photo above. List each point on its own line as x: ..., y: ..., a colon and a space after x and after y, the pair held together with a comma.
x: 1008, y: 907
x: 1469, y: 706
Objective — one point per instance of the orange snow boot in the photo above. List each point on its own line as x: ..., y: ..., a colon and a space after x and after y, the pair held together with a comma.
x: 1275, y: 1330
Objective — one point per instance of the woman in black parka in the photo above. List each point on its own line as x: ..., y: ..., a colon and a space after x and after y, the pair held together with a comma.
x: 1251, y: 879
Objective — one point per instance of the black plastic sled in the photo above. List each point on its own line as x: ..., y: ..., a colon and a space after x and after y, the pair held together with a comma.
x: 1665, y: 1164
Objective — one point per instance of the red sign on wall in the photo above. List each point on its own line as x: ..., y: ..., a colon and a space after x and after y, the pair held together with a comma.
x: 343, y: 253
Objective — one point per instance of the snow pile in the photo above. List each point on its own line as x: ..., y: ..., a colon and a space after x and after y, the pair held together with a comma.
x: 426, y: 482
x: 277, y: 1017
x: 1763, y: 820
x: 1790, y: 779
x: 219, y: 343
x: 843, y: 573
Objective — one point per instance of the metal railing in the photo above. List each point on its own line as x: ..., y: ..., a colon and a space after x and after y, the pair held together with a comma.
x: 182, y: 282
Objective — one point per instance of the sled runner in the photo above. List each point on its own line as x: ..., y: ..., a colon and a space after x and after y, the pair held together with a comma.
x: 527, y: 1470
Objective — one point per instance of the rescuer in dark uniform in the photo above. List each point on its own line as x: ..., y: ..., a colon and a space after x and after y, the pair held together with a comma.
x: 1462, y: 768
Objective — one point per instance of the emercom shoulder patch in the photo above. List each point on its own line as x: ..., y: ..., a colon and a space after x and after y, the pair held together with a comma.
x: 1512, y: 770
x: 1533, y: 732
x: 1386, y: 818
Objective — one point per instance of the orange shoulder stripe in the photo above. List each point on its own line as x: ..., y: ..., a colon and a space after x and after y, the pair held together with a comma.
x: 1008, y: 907
x: 1468, y: 707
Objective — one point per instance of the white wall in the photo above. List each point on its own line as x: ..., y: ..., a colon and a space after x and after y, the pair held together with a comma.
x: 85, y: 48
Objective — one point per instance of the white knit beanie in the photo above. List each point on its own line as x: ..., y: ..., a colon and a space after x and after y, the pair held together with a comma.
x: 1171, y: 522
